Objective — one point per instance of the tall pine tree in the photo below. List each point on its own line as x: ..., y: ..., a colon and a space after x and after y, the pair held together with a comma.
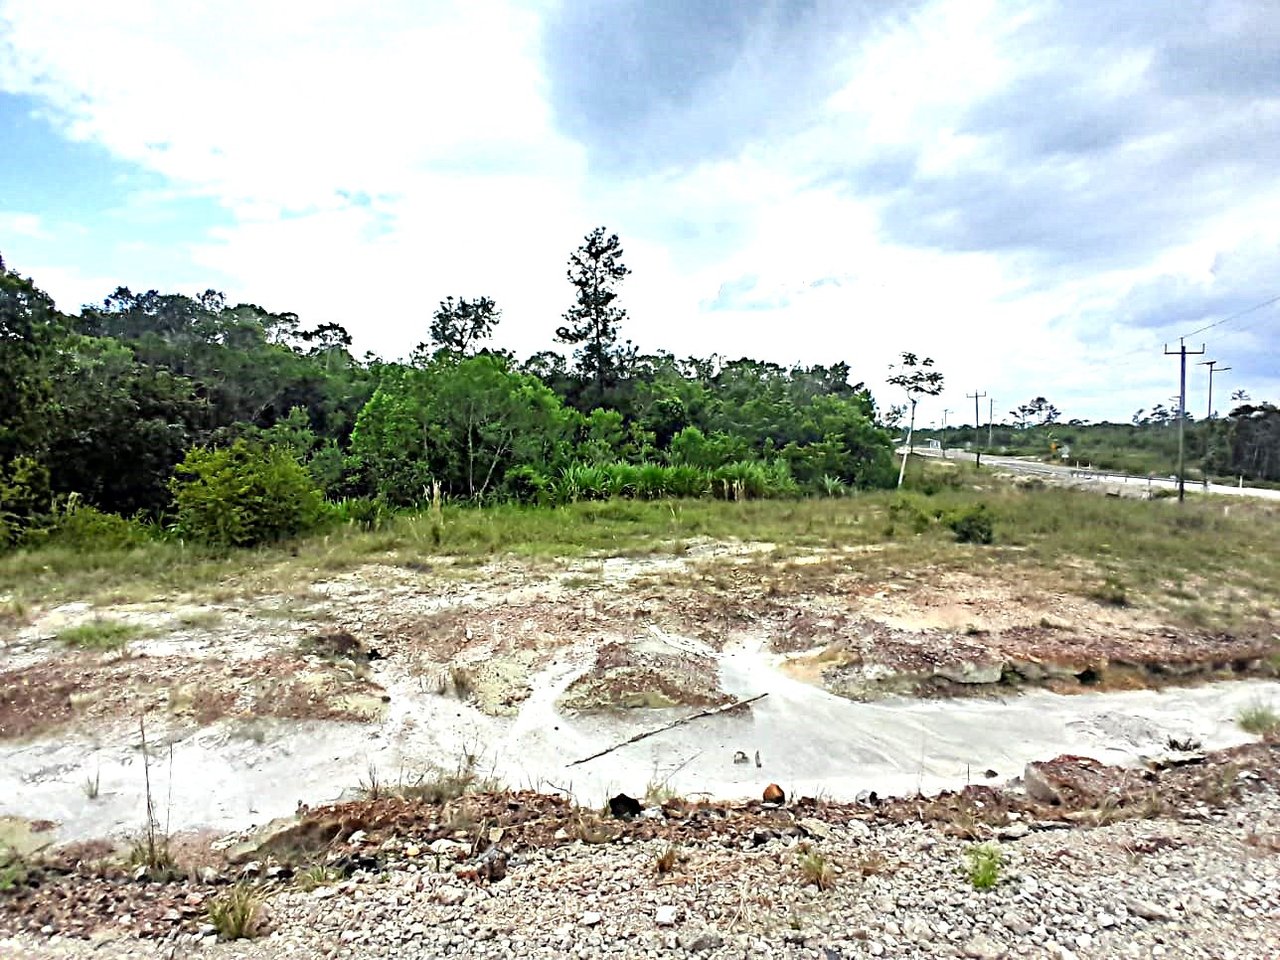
x: 592, y: 323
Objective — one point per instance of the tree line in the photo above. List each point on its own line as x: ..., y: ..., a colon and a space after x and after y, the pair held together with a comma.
x: 191, y: 413
x: 1243, y: 443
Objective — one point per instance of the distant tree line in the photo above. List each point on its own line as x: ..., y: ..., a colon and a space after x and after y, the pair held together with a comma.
x: 150, y: 404
x: 1244, y: 443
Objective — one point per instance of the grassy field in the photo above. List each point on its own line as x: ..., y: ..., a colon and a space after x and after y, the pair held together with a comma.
x: 1208, y: 563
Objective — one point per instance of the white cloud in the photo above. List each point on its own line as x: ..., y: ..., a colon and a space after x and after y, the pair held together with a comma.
x: 374, y: 160
x: 29, y: 225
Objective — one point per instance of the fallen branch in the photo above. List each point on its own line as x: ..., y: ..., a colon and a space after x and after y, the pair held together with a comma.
x: 675, y: 723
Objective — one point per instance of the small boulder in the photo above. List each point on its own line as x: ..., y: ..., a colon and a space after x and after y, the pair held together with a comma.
x: 774, y: 794
x: 624, y: 807
x: 1066, y: 780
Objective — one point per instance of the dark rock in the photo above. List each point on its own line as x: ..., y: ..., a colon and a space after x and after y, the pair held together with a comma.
x: 774, y: 794
x: 624, y: 807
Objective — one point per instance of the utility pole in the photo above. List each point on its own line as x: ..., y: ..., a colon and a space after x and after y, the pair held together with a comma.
x: 1212, y: 365
x: 1182, y: 352
x: 974, y: 397
x: 991, y: 415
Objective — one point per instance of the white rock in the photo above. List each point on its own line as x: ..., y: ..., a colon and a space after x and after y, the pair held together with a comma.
x: 983, y: 948
x: 451, y: 896
x: 590, y: 918
x: 666, y: 916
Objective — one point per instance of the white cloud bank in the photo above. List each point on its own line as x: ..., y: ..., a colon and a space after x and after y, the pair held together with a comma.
x: 375, y: 159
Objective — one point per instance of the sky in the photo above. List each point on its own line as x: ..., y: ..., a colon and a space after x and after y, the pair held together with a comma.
x: 1039, y: 195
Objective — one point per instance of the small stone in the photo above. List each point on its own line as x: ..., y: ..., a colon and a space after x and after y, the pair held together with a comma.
x: 1147, y: 910
x: 666, y: 916
x: 451, y: 896
x: 702, y: 942
x: 590, y: 918
x: 413, y: 850
x: 1106, y: 921
x: 774, y: 794
x: 983, y: 948
x: 1084, y: 941
x: 357, y: 837
x: 1015, y: 924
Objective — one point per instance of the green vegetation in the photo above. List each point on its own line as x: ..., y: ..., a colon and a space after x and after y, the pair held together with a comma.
x: 983, y: 867
x: 815, y: 868
x: 1245, y: 442
x: 14, y: 869
x: 165, y: 417
x: 1259, y: 718
x: 971, y: 524
x: 243, y: 495
x: 99, y: 634
x: 237, y: 913
x: 1180, y: 561
x: 317, y: 875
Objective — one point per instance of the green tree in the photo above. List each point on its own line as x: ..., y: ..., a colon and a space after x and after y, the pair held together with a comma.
x: 461, y: 424
x: 917, y: 377
x: 116, y: 427
x: 457, y: 326
x: 592, y: 324
x: 29, y: 327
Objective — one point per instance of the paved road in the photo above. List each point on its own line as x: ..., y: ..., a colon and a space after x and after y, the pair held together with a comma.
x: 1090, y: 475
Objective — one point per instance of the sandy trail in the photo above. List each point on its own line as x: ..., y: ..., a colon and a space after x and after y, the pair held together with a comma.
x: 809, y: 741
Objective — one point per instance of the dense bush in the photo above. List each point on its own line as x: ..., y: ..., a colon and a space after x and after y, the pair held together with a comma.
x: 746, y: 480
x: 362, y: 512
x: 84, y: 527
x: 971, y: 524
x: 24, y: 499
x: 244, y: 494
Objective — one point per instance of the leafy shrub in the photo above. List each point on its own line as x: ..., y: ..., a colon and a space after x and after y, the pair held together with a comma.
x: 525, y: 484
x: 14, y: 869
x: 907, y: 509
x: 985, y: 861
x: 84, y: 527
x: 1111, y: 592
x: 243, y: 495
x: 24, y: 498
x: 832, y: 486
x: 687, y: 481
x: 971, y: 524
x: 362, y: 512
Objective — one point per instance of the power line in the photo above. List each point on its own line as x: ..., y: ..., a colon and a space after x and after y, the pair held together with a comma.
x: 1234, y: 316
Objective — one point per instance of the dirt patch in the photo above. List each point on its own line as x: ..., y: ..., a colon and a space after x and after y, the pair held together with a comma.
x: 32, y: 703
x: 99, y: 692
x: 646, y: 673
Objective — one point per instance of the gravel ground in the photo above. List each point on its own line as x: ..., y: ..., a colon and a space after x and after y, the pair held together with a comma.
x: 1206, y: 885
